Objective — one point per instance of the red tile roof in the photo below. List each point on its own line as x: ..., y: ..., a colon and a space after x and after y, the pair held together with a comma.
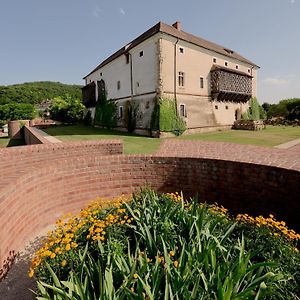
x: 172, y: 31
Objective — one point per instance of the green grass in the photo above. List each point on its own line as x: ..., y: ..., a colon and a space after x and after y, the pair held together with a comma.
x: 132, y: 143
x: 5, y: 142
x: 271, y: 136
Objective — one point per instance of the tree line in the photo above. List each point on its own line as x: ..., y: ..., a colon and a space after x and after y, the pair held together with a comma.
x: 21, y: 101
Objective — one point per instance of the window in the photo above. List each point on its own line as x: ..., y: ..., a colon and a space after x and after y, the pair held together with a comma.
x: 141, y: 53
x: 181, y: 50
x: 216, y: 106
x: 100, y: 73
x: 120, y: 112
x: 119, y: 84
x: 182, y: 111
x: 226, y: 107
x: 248, y: 70
x: 237, y: 67
x: 137, y: 84
x: 226, y: 63
x: 127, y: 58
x: 201, y: 82
x: 180, y: 78
x: 214, y: 60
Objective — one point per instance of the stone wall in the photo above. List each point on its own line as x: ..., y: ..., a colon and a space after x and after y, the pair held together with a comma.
x: 249, y: 124
x: 42, y: 182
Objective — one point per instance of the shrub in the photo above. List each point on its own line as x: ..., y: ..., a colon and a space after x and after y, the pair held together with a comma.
x: 67, y: 109
x: 161, y: 246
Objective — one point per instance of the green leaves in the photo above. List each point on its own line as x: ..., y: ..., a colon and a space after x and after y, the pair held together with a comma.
x: 171, y: 250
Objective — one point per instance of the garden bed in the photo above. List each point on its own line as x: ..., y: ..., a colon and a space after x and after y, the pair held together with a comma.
x: 152, y: 246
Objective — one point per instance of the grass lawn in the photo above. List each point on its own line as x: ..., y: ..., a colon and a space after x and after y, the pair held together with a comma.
x: 269, y: 137
x: 132, y: 144
x: 4, y: 142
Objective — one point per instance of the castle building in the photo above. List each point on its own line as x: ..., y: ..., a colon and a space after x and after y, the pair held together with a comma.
x: 211, y: 85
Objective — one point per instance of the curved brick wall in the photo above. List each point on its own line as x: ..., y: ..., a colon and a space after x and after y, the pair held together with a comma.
x: 45, y: 181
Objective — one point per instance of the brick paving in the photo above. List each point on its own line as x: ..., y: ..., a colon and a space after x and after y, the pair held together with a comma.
x: 283, y: 158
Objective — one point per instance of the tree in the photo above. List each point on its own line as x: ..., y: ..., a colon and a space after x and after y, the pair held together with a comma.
x: 67, y: 109
x: 17, y: 111
x: 255, y: 111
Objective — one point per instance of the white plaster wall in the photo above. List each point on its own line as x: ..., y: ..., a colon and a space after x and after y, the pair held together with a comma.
x: 145, y: 71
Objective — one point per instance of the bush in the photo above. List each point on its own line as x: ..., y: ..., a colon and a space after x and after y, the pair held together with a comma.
x: 17, y: 111
x: 160, y: 246
x: 67, y: 109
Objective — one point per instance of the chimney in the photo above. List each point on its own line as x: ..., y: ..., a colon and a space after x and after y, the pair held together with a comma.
x: 177, y: 25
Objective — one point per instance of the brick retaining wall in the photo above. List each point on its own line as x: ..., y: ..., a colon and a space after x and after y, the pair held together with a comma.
x: 45, y: 181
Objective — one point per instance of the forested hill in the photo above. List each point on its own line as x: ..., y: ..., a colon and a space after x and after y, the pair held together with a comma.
x: 35, y: 92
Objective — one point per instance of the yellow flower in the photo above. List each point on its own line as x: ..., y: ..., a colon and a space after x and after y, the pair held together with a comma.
x: 68, y: 247
x: 175, y: 263
x: 52, y: 255
x: 74, y: 245
x: 57, y: 249
x: 171, y: 253
x: 63, y: 263
x: 135, y: 275
x: 31, y: 273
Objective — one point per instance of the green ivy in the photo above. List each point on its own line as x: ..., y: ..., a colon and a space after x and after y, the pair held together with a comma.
x: 169, y: 121
x: 106, y: 112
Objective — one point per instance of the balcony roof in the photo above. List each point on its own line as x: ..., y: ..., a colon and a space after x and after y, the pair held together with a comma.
x: 218, y: 68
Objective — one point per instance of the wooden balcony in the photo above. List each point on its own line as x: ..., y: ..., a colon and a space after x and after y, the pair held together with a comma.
x: 230, y: 85
x: 89, y: 95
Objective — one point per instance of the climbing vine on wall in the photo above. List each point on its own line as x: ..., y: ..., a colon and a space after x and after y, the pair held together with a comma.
x: 169, y: 121
x: 106, y: 112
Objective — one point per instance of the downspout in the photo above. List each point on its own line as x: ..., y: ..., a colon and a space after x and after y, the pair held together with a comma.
x: 175, y: 75
x: 131, y: 76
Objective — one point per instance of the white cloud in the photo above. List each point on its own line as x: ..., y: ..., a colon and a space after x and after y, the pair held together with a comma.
x: 292, y: 1
x: 122, y: 11
x: 96, y: 12
x: 275, y: 81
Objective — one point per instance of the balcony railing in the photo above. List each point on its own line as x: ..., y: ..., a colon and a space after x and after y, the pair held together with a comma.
x: 230, y: 85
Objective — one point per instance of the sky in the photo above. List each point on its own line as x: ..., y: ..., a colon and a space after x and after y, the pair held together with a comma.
x: 63, y: 40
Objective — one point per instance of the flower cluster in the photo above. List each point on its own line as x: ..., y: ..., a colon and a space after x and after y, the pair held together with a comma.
x: 276, y: 227
x: 91, y: 224
x: 175, y: 196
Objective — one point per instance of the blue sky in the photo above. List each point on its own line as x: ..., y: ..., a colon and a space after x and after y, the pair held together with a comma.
x: 62, y: 40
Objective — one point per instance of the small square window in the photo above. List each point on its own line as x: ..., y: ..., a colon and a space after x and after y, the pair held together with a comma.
x: 119, y: 84
x: 100, y: 73
x: 248, y: 70
x: 201, y: 82
x: 137, y: 84
x: 237, y: 67
x: 214, y: 60
x: 127, y: 58
x: 226, y: 63
x: 226, y: 107
x: 181, y: 50
x: 182, y: 111
x: 141, y: 53
x: 216, y: 106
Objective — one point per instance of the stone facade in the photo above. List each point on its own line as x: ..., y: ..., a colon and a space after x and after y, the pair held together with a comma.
x: 165, y: 62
